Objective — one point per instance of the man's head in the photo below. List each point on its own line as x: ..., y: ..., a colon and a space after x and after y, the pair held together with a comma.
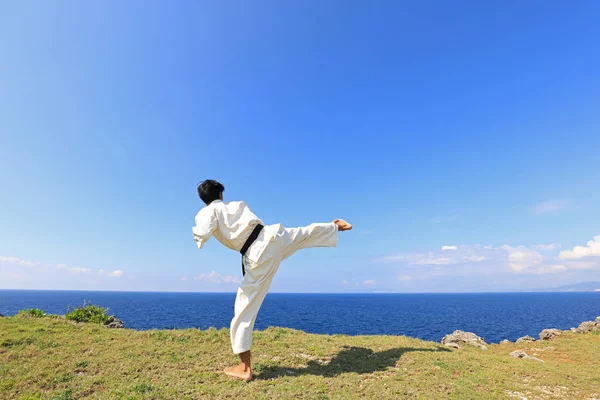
x: 210, y: 191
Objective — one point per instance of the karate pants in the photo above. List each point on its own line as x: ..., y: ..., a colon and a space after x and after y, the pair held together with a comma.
x: 260, y: 273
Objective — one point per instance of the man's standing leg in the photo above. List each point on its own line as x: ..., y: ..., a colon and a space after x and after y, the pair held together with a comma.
x: 250, y: 296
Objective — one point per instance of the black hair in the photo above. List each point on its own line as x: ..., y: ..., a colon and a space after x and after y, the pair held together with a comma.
x: 210, y: 191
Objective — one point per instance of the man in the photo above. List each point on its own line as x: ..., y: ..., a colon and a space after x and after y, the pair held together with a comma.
x: 263, y: 248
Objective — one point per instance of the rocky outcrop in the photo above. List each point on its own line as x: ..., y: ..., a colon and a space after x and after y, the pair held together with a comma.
x: 114, y: 322
x: 525, y: 339
x: 589, y: 326
x: 457, y: 338
x: 522, y: 354
x: 505, y: 341
x: 1, y: 315
x: 549, y: 334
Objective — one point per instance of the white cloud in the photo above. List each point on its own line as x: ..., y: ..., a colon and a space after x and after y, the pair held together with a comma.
x: 448, y: 248
x: 215, y: 277
x: 558, y: 268
x: 79, y: 270
x: 405, y: 278
x: 521, y: 258
x: 74, y: 270
x: 31, y: 264
x: 550, y: 206
x: 117, y: 273
x: 546, y: 247
x: 476, y: 259
x: 461, y: 255
x: 184, y: 278
x: 592, y: 249
x: 368, y: 282
x: 17, y: 261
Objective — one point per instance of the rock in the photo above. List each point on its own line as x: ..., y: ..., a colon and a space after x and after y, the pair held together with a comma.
x: 525, y: 339
x: 597, y: 319
x: 505, y: 341
x: 518, y: 354
x: 588, y: 326
x: 522, y: 354
x: 549, y: 334
x: 114, y: 322
x: 460, y: 337
x: 1, y: 315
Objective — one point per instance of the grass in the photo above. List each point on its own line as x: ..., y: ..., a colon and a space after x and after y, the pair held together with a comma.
x: 31, y: 312
x: 88, y: 313
x: 89, y: 361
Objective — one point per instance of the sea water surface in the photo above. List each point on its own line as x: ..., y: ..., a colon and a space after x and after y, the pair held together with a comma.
x: 494, y: 316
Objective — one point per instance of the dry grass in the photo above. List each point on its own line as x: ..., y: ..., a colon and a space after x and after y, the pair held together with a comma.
x: 43, y: 358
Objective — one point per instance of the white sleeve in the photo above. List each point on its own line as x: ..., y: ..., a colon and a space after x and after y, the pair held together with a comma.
x: 206, y: 223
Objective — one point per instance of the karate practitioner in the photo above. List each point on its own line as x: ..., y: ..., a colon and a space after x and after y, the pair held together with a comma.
x: 262, y: 248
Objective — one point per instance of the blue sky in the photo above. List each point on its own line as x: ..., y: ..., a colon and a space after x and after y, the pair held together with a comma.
x: 470, y: 125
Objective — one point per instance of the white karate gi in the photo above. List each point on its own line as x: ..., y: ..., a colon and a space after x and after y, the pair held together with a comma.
x: 231, y: 224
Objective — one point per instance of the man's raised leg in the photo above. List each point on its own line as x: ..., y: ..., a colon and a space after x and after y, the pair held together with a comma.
x: 313, y: 235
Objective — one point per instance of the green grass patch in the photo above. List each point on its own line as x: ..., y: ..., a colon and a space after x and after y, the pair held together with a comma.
x: 16, y: 342
x: 64, y: 378
x: 64, y: 395
x: 88, y: 313
x: 143, y: 388
x: 32, y: 313
x: 36, y: 396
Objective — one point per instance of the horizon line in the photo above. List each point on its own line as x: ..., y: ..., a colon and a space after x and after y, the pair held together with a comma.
x: 371, y: 293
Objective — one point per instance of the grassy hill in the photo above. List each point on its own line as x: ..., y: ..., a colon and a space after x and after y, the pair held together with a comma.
x: 45, y: 358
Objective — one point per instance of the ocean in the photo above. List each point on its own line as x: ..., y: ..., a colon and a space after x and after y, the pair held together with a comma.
x: 493, y: 316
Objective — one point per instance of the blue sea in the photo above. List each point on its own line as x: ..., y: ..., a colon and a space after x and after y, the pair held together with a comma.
x: 494, y: 316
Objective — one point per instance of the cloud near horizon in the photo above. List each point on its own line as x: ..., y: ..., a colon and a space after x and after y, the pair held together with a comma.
x: 578, y: 252
x: 449, y: 248
x: 368, y: 282
x: 117, y: 273
x: 215, y: 277
x: 546, y: 247
x: 514, y: 259
x: 405, y: 271
x: 15, y: 261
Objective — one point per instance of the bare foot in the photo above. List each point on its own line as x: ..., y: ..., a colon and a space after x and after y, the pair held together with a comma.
x: 342, y: 225
x: 239, y: 371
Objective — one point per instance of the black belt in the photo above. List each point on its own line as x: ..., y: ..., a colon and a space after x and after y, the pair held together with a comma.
x: 248, y: 243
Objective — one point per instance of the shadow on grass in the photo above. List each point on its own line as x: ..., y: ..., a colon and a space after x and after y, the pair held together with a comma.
x: 351, y: 359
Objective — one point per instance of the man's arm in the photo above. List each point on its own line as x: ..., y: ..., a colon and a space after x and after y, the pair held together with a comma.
x: 206, y: 223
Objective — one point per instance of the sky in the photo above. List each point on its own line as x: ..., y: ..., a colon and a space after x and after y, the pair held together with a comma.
x: 460, y: 138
